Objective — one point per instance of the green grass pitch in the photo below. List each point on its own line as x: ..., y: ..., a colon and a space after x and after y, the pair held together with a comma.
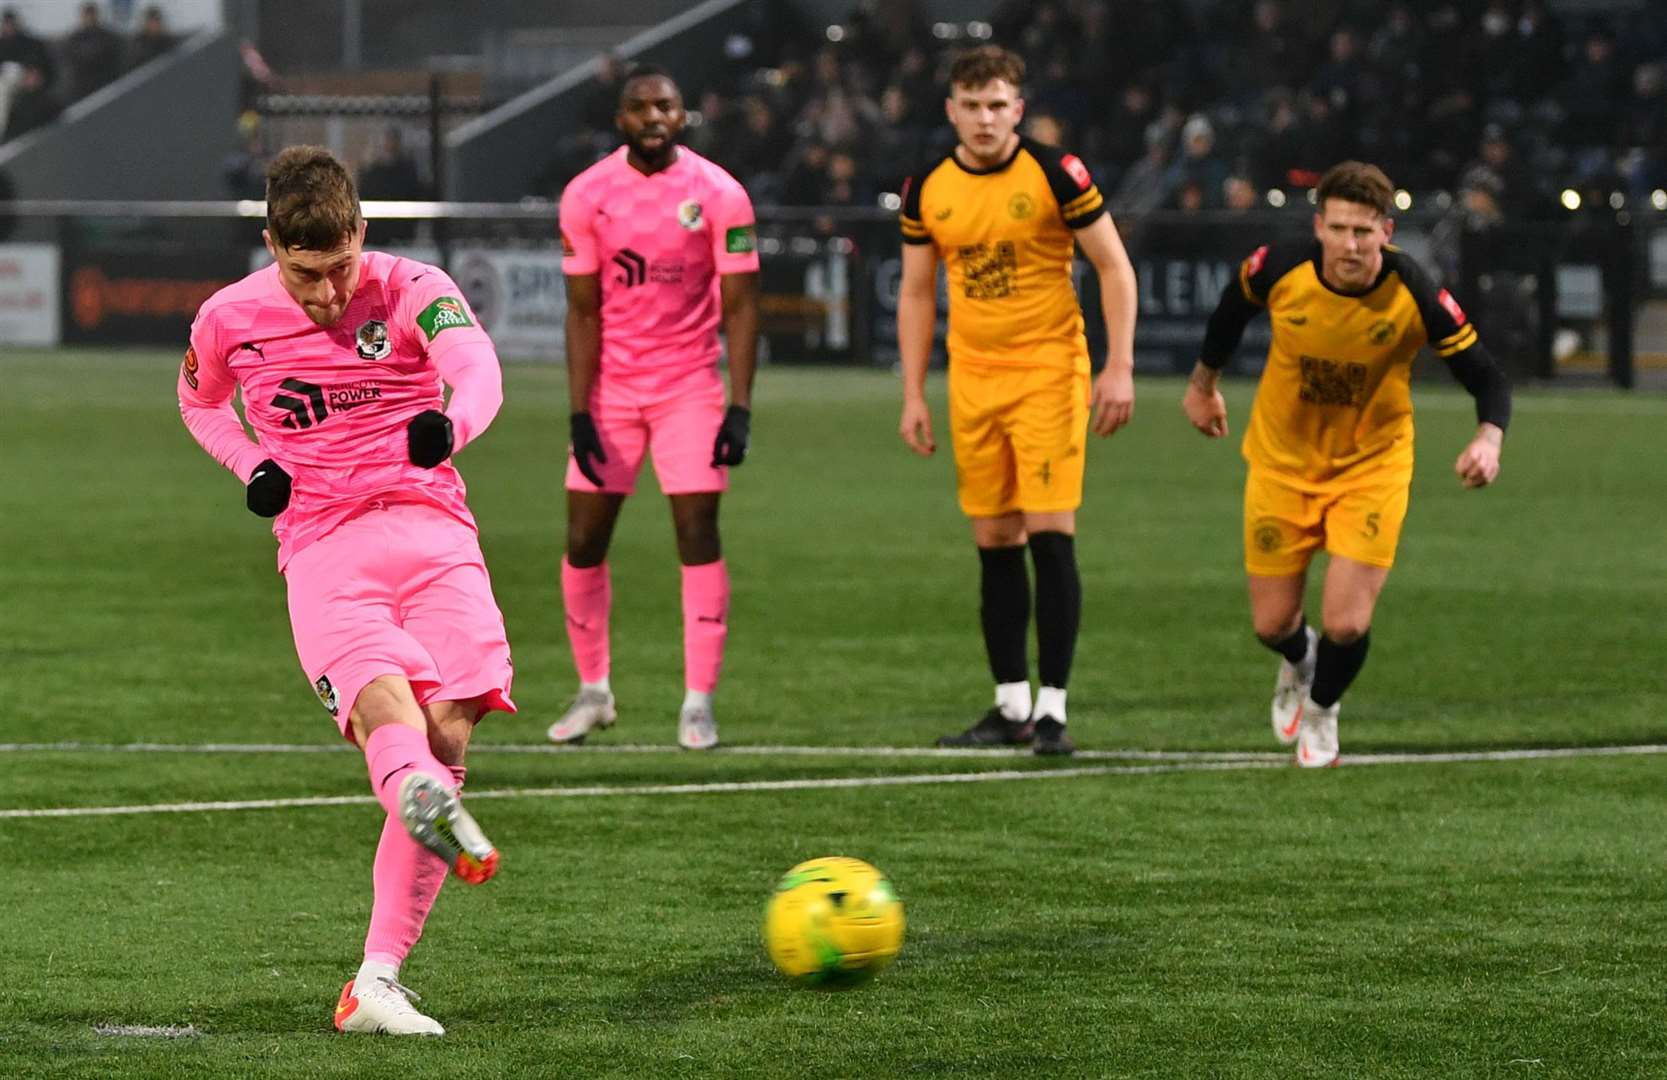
x: 1484, y: 918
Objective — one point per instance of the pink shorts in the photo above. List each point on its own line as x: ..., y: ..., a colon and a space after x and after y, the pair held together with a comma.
x: 399, y: 589
x: 677, y: 424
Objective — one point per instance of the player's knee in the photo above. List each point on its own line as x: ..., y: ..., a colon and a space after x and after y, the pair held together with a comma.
x: 697, y: 543
x: 585, y: 547
x: 1346, y: 630
x: 1274, y: 627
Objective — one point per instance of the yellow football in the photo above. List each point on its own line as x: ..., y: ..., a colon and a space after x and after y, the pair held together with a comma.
x: 833, y: 923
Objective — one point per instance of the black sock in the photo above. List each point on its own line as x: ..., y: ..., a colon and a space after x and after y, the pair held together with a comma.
x: 1058, y: 604
x: 1004, y: 610
x: 1335, y: 668
x: 1295, y: 647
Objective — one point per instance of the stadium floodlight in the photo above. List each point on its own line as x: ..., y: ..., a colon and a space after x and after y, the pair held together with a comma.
x: 1313, y: 196
x: 835, y: 32
x: 943, y: 31
x: 889, y: 200
x: 1570, y: 199
x: 1658, y: 199
x: 1403, y: 199
x: 1616, y: 200
x: 1276, y: 198
x: 980, y: 30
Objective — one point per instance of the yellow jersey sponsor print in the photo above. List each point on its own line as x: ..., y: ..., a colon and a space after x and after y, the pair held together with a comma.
x: 1334, y: 405
x: 1004, y: 236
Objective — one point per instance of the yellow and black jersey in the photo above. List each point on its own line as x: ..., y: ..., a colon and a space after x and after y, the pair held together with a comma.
x: 1334, y: 406
x: 1004, y: 235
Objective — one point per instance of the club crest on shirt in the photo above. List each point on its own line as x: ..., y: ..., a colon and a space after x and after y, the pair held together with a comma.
x: 688, y: 214
x: 327, y: 694
x: 372, y: 340
x: 1021, y: 206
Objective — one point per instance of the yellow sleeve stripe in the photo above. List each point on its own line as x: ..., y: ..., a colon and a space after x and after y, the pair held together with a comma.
x: 1244, y: 284
x: 1459, y: 342
x: 1088, y: 200
x: 912, y: 227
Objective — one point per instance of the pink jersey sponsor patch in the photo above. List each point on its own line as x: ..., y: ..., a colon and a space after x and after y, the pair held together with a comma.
x: 658, y: 243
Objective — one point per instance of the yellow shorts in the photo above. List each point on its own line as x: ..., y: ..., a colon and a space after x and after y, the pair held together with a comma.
x: 1284, y: 526
x: 1020, y: 435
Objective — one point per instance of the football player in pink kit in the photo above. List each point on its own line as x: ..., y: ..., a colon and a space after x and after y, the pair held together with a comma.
x: 659, y: 247
x: 339, y: 354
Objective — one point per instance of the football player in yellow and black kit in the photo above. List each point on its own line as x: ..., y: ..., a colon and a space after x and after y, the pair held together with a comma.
x: 1330, y: 436
x: 1005, y: 215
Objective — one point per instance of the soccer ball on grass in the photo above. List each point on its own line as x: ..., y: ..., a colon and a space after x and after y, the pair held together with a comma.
x: 833, y: 923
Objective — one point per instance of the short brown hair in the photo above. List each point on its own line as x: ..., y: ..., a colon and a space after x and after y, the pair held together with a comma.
x: 987, y: 63
x: 1357, y: 182
x: 312, y: 203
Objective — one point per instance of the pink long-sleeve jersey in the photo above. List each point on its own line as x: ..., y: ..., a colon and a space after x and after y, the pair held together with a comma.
x: 331, y: 404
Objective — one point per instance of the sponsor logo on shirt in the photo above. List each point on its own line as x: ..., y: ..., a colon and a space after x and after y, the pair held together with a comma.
x: 327, y: 694
x: 1076, y: 170
x: 190, y: 368
x: 371, y: 340
x: 443, y: 314
x: 688, y: 214
x: 1452, y: 306
x: 633, y: 268
x: 739, y: 240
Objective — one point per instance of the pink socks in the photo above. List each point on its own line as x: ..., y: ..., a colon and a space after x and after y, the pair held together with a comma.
x: 586, y: 594
x: 705, y: 623
x: 394, y: 751
x: 407, y: 878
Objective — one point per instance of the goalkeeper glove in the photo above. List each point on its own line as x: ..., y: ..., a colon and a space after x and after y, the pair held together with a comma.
x: 268, y: 490
x: 731, y: 445
x: 587, y: 444
x: 428, y: 438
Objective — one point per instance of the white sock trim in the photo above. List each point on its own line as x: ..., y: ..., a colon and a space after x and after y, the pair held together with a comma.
x: 1013, y: 699
x: 1050, y: 701
x: 371, y: 970
x: 697, y: 699
x: 600, y: 686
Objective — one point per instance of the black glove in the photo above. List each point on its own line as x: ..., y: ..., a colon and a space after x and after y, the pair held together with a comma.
x: 428, y: 438
x: 731, y: 445
x: 268, y: 491
x: 587, y: 444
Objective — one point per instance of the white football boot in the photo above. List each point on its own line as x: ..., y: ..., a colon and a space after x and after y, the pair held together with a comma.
x: 590, y: 710
x: 1291, y: 690
x: 1317, y: 736
x: 382, y: 1006
x: 697, y: 729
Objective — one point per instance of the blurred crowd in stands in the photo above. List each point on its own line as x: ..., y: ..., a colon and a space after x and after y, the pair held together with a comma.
x: 1500, y: 103
x: 39, y: 78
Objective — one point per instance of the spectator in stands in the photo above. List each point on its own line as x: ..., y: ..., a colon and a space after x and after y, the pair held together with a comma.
x: 807, y: 175
x: 244, y: 170
x: 24, y: 49
x: 601, y: 98
x: 92, y: 54
x: 152, y: 39
x: 1045, y: 128
x: 1148, y: 183
x: 760, y: 149
x: 1199, y: 167
x: 31, y: 105
x: 1238, y: 194
x: 390, y: 170
x: 1589, y: 95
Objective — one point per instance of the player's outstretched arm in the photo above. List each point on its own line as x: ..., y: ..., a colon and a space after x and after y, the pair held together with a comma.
x: 1478, y: 463
x: 584, y: 357
x: 739, y: 292
x: 1113, y: 402
x: 917, y: 316
x: 1202, y: 401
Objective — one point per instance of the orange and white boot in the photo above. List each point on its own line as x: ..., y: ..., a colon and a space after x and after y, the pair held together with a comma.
x: 434, y: 816
x: 382, y: 1006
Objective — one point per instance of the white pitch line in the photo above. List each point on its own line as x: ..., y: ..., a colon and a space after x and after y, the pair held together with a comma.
x: 739, y: 786
x: 744, y: 750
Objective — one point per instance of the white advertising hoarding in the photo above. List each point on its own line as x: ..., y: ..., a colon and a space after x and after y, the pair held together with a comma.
x: 29, y: 294
x: 520, y: 297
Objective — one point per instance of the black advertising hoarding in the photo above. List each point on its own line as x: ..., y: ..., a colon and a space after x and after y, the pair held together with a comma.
x: 128, y: 294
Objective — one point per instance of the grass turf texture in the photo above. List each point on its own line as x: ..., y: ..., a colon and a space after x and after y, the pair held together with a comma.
x: 1488, y: 919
